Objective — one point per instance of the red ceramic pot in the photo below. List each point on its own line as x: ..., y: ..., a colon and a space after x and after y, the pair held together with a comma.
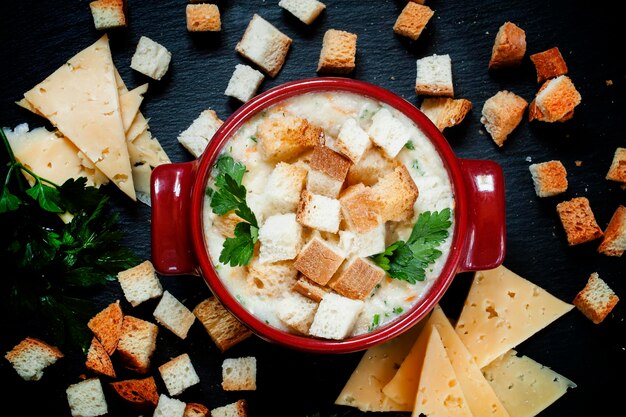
x: 178, y: 190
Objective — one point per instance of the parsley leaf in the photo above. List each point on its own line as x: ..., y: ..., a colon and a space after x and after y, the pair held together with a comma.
x: 47, y: 197
x: 238, y: 250
x: 409, y: 145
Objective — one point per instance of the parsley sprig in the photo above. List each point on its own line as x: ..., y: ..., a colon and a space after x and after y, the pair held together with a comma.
x: 230, y: 195
x: 407, y: 261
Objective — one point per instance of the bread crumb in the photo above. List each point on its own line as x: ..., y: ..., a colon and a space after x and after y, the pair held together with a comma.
x: 609, y: 83
x: 578, y: 163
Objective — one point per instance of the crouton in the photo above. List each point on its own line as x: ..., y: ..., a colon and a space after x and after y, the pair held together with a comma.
x: 509, y: 47
x: 305, y: 10
x: 140, y: 283
x: 555, y: 100
x: 352, y: 140
x: 550, y: 178
x: 412, y: 20
x: 173, y: 315
x: 318, y: 260
x: 357, y: 278
x: 169, y: 407
x: 178, y: 374
x: 328, y: 172
x: 151, y: 58
x: 239, y: 374
x: 284, y: 185
x: 141, y: 393
x: 501, y: 114
x: 196, y: 410
x: 578, y: 221
x: 319, y: 212
x: 363, y: 244
x: 397, y: 193
x: 137, y: 344
x: 280, y: 237
x: 309, y: 289
x: 446, y: 112
x: 243, y: 83
x: 236, y: 409
x: 264, y: 45
x: 203, y: 18
x: 296, y: 312
x: 225, y: 225
x: 614, y: 242
x: 86, y: 398
x: 31, y: 356
x: 335, y: 317
x: 617, y: 171
x: 338, y: 54
x: 361, y: 208
x: 549, y: 64
x: 107, y: 326
x: 282, y: 137
x: 388, y: 133
x: 270, y: 279
x: 596, y: 300
x: 98, y: 360
x: 197, y: 136
x: 370, y: 168
x: 434, y: 76
x: 223, y: 328
x: 108, y: 14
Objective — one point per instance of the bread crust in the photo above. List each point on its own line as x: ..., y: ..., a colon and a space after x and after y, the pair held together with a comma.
x: 338, y: 54
x: 549, y: 64
x: 550, y: 178
x: 509, y: 47
x: 318, y: 261
x: 501, y: 114
x: 282, y: 138
x: 203, y: 18
x: 98, y: 360
x: 309, y: 289
x: 446, y: 112
x: 578, y: 221
x: 614, y: 242
x: 140, y: 393
x: 223, y: 328
x: 329, y: 162
x: 275, y: 53
x: 397, y: 193
x: 357, y: 279
x: 412, y: 20
x: 361, y: 208
x: 596, y: 300
x: 617, y: 171
x: 107, y: 326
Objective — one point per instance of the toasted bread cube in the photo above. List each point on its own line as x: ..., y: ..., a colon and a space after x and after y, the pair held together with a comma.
x: 140, y: 283
x: 578, y: 221
x: 98, y: 359
x: 555, y: 100
x: 363, y: 244
x: 284, y: 185
x: 305, y: 10
x: 178, y: 374
x: 412, y: 20
x: 335, y: 317
x: 173, y: 315
x: 617, y: 171
x: 31, y: 356
x: 370, y: 168
x: 309, y: 289
x: 318, y: 261
x: 614, y: 242
x: 338, y: 54
x: 434, y: 76
x: 225, y: 330
x: 226, y: 224
x: 361, y: 208
x: 239, y: 374
x: 280, y: 237
x: 137, y: 344
x: 236, y: 409
x: 319, y: 183
x: 319, y: 212
x: 196, y: 410
x: 264, y: 45
x: 107, y: 326
x: 596, y: 300
x: 328, y: 172
x: 509, y: 47
x: 151, y: 59
x: 357, y: 278
x: 169, y: 407
x: 397, y: 192
x: 108, y: 14
x: 388, y: 133
x: 86, y: 398
x: 446, y: 112
x: 142, y: 393
x: 203, y: 18
x: 243, y: 83
x: 296, y: 312
x: 550, y: 178
x: 501, y: 114
x: 283, y: 136
x: 352, y: 140
x: 549, y: 64
x: 270, y: 279
x: 197, y: 136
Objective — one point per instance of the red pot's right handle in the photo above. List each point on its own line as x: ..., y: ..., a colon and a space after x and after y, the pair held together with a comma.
x: 486, y: 232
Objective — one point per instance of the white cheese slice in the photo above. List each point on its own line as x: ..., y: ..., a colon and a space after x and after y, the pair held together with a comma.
x: 81, y: 100
x: 502, y: 310
x: 129, y: 105
x: 524, y: 386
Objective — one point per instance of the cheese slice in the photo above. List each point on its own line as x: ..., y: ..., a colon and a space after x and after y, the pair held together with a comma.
x: 139, y: 125
x: 129, y: 105
x: 121, y: 85
x: 502, y: 310
x: 439, y: 393
x: 524, y: 386
x: 377, y: 366
x: 147, y: 150
x: 81, y: 100
x: 480, y: 397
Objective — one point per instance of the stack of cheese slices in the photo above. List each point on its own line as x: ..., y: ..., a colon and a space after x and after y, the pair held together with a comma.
x: 437, y: 369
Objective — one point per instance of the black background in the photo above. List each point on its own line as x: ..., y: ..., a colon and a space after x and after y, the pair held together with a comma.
x: 36, y: 37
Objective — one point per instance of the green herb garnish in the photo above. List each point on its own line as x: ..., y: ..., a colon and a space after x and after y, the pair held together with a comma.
x: 254, y: 139
x: 375, y: 322
x: 409, y: 145
x: 407, y: 261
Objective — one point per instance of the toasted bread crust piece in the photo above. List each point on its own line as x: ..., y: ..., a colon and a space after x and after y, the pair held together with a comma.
x: 397, y: 193
x: 509, y: 47
x: 196, y: 410
x: 578, y: 221
x: 236, y: 409
x: 108, y: 14
x: 141, y: 393
x: 501, y: 114
x: 549, y: 64
x: 412, y: 20
x: 617, y: 171
x: 285, y: 137
x: 614, y: 242
x: 371, y: 167
x: 550, y: 178
x: 98, y: 360
x: 596, y: 300
x: 555, y: 100
x: 330, y: 162
x: 264, y: 45
x: 32, y: 350
x: 318, y: 261
x: 357, y: 279
x: 446, y: 112
x: 338, y: 54
x: 225, y: 225
x: 361, y: 208
x: 223, y: 328
x: 203, y: 18
x: 309, y: 289
x: 137, y: 344
x: 107, y: 326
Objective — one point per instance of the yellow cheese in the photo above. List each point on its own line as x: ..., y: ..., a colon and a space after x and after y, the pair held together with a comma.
x: 524, y: 386
x: 147, y: 150
x: 129, y: 105
x: 439, y: 393
x: 377, y: 366
x: 502, y: 310
x: 139, y: 125
x: 121, y: 86
x: 480, y: 397
x: 81, y: 100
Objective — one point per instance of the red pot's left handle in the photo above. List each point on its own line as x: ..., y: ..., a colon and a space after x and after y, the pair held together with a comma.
x: 171, y: 186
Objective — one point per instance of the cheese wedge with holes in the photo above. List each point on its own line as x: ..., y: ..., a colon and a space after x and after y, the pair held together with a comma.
x: 147, y: 150
x: 129, y: 105
x: 524, y: 386
x: 502, y: 310
x: 81, y: 100
x: 439, y: 393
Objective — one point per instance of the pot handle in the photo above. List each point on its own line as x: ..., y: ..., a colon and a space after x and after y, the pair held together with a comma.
x: 171, y: 186
x: 486, y: 232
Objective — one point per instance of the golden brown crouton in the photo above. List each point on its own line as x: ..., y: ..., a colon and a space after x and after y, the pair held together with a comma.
x: 137, y: 343
x: 282, y: 136
x: 617, y: 171
x: 225, y: 330
x: 509, y: 47
x: 141, y: 393
x: 614, y: 242
x: 330, y: 162
x: 318, y: 261
x: 555, y: 100
x: 412, y: 20
x: 196, y: 410
x: 501, y: 114
x: 270, y: 279
x: 107, y: 326
x: 98, y: 360
x: 31, y: 356
x: 264, y: 45
x: 225, y: 225
x: 446, y: 112
x: 338, y: 54
x: 309, y: 289
x: 596, y: 300
x: 203, y: 18
x: 361, y: 208
x: 397, y: 192
x: 357, y: 279
x: 108, y: 14
x: 319, y: 212
x: 578, y: 221
x: 550, y: 178
x: 549, y: 64
x: 371, y: 167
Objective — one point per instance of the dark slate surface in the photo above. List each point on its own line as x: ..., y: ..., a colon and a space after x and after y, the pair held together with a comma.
x: 36, y: 37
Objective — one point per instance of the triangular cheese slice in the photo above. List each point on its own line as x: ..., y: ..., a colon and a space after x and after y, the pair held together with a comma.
x: 147, y: 150
x: 524, y: 386
x: 480, y: 397
x: 81, y: 100
x: 121, y: 85
x: 502, y: 310
x: 439, y: 393
x: 129, y: 105
x: 139, y: 125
